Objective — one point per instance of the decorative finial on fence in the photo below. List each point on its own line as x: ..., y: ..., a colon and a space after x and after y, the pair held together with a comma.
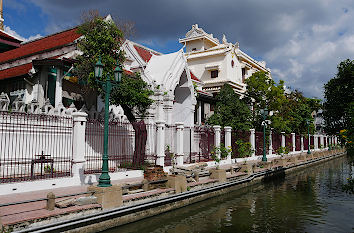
x: 71, y: 109
x: 18, y: 105
x: 4, y: 102
x: 48, y: 108
x: 33, y: 107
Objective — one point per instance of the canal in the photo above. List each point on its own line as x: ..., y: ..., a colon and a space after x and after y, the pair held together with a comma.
x: 310, y: 200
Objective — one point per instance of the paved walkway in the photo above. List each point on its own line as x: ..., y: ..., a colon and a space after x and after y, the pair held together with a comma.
x: 36, y: 210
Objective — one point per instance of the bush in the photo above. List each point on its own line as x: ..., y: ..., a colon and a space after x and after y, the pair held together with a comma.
x: 222, y: 151
x: 244, y: 148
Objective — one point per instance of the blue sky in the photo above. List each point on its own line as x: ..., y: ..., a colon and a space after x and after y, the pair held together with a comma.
x: 302, y: 41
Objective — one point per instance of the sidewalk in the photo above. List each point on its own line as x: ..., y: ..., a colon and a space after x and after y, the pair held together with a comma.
x: 18, y: 213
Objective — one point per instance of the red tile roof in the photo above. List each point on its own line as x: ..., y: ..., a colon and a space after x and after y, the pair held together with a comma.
x: 45, y: 43
x: 194, y: 77
x: 15, y: 71
x: 128, y: 72
x: 144, y: 53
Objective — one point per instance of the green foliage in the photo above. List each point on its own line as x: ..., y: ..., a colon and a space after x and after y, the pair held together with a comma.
x: 100, y: 39
x: 244, y: 148
x: 103, y: 39
x: 290, y: 110
x: 339, y: 95
x: 48, y: 169
x: 222, y: 151
x: 283, y: 150
x: 133, y: 95
x: 347, y: 135
x: 230, y: 110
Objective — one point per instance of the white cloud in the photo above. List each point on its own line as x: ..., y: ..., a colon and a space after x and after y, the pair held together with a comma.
x: 15, y: 34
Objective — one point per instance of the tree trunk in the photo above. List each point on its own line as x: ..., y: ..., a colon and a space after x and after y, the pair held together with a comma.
x: 140, y: 142
x: 140, y: 136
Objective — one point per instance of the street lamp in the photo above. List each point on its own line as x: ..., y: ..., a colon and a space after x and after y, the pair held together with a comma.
x: 308, y: 135
x: 107, y: 84
x: 264, y: 113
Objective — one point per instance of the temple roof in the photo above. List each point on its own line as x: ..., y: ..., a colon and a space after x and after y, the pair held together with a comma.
x: 43, y: 44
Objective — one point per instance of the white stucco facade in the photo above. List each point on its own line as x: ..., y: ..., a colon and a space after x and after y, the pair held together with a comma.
x: 218, y: 63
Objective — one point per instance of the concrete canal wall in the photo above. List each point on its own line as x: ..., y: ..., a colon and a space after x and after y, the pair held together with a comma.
x: 106, y: 219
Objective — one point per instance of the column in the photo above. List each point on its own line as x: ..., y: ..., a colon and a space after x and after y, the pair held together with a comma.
x: 228, y: 130
x: 58, y: 88
x: 321, y: 140
x: 168, y: 107
x: 302, y: 143
x: 293, y: 142
x: 199, y: 116
x: 253, y: 141
x: 217, y: 137
x: 79, y: 119
x: 160, y: 143
x: 179, y: 143
x: 283, y: 139
x: 270, y: 149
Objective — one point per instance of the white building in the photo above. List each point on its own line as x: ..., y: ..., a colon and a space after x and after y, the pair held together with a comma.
x: 216, y: 63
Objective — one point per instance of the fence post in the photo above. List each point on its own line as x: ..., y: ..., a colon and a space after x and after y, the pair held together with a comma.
x: 79, y: 119
x: 293, y: 141
x: 179, y: 143
x: 217, y: 137
x: 270, y: 149
x: 336, y: 140
x: 302, y: 143
x: 228, y: 141
x: 253, y: 141
x: 282, y: 139
x: 160, y: 143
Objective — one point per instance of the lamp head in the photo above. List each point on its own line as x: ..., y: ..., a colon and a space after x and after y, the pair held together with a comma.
x: 99, y: 68
x: 118, y: 73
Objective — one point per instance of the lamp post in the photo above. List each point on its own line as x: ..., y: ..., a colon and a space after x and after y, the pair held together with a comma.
x: 105, y: 180
x: 308, y: 135
x: 264, y: 113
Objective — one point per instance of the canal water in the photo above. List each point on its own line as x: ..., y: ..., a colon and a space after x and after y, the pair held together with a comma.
x: 310, y: 200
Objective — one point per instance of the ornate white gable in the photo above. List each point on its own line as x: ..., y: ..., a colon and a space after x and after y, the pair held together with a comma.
x: 196, y: 32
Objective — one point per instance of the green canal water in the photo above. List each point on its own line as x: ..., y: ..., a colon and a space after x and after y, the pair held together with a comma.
x: 310, y: 200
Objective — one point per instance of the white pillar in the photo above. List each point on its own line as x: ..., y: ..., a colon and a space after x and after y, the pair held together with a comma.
x: 160, y: 143
x: 283, y: 139
x: 253, y: 141
x: 79, y: 119
x: 321, y: 140
x: 168, y: 107
x: 302, y: 143
x: 293, y: 141
x: 199, y: 116
x: 228, y: 142
x: 270, y: 149
x: 58, y: 88
x: 217, y: 137
x: 179, y: 143
x: 315, y: 140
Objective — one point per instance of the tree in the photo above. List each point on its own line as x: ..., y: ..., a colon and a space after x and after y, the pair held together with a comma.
x: 263, y: 92
x: 230, y: 110
x: 103, y: 39
x: 339, y: 96
x: 290, y: 110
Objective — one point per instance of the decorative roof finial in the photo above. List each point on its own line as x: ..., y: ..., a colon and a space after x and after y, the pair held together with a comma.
x: 224, y: 40
x: 1, y: 17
